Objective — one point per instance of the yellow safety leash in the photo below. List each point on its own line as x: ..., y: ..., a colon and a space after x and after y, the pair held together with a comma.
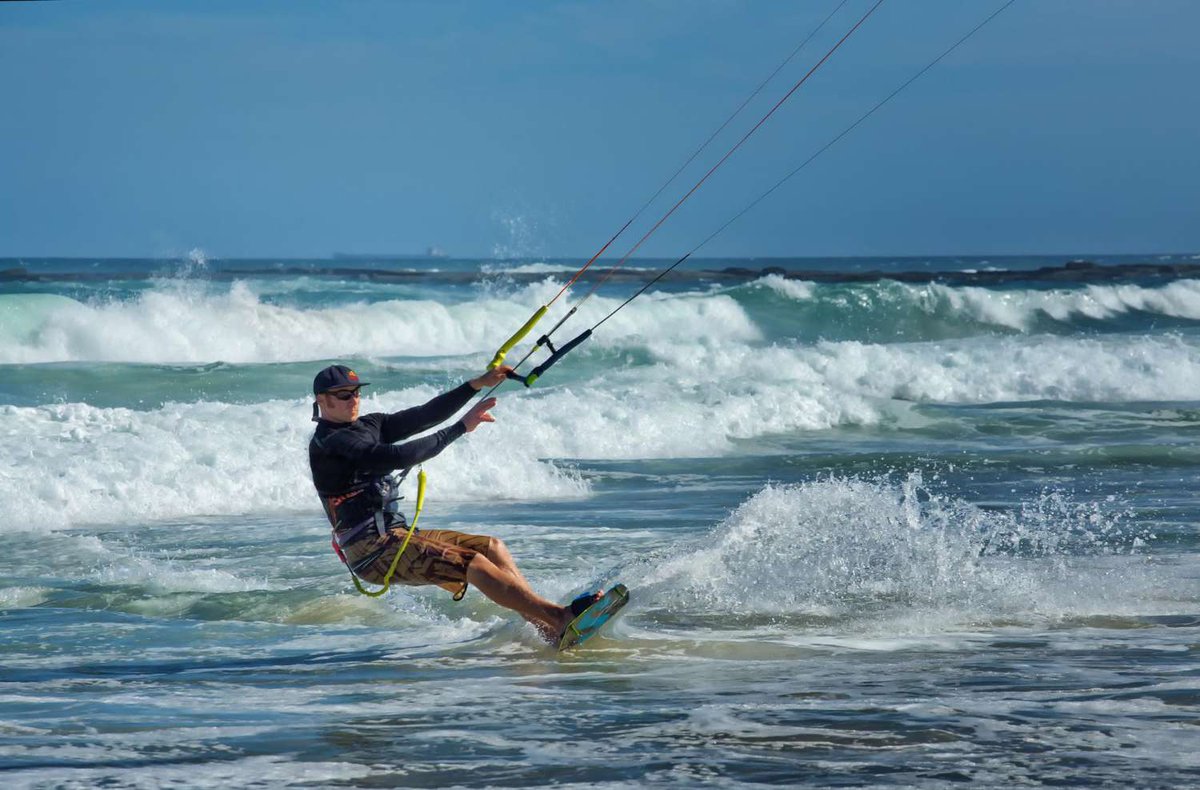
x: 387, y: 579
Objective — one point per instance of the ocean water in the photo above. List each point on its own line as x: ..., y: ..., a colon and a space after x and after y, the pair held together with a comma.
x: 886, y: 523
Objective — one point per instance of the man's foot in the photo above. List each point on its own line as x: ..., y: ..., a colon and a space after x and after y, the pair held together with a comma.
x: 580, y: 604
x: 569, y: 613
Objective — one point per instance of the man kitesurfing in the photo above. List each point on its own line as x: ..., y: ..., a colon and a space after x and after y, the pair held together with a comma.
x: 352, y: 459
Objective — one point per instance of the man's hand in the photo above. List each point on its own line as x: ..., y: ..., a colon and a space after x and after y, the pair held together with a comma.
x: 490, y: 378
x: 478, y: 413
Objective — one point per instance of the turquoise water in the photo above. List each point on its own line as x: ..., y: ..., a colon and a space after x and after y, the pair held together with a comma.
x: 877, y: 532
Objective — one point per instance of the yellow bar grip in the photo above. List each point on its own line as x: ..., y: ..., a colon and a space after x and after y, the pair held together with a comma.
x: 512, y: 341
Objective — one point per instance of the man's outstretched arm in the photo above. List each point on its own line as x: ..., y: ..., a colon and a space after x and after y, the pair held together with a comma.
x: 402, y: 424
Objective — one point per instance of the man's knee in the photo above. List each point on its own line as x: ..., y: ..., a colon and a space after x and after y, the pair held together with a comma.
x: 496, y: 548
x: 481, y: 563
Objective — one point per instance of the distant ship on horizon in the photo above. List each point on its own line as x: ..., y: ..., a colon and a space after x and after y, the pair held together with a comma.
x: 431, y: 253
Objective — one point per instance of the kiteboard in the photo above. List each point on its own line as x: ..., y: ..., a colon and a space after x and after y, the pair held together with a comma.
x: 593, y: 618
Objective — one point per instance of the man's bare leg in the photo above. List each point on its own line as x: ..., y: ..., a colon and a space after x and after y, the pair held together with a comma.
x: 498, y: 553
x: 500, y: 556
x: 510, y: 590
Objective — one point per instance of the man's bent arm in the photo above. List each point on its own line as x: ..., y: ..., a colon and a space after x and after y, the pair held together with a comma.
x: 405, y: 423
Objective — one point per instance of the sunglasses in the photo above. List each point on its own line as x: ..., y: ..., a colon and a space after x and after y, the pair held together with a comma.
x: 344, y: 394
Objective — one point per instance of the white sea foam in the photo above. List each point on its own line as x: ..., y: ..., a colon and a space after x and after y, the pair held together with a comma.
x: 72, y: 463
x: 189, y: 323
x: 271, y: 770
x: 839, y: 382
x: 75, y: 463
x: 898, y: 551
x: 22, y: 597
x: 530, y: 268
x: 599, y: 267
x: 984, y: 370
x: 800, y: 290
x: 194, y: 322
x: 167, y: 575
x: 1013, y: 309
x: 1179, y: 299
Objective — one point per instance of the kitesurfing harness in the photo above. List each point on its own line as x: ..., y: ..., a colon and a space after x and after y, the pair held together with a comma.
x: 353, y: 466
x: 378, y: 501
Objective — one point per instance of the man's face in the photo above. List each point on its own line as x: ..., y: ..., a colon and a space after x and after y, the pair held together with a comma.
x: 339, y: 405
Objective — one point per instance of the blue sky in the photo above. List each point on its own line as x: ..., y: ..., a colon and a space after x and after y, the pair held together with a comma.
x: 296, y: 129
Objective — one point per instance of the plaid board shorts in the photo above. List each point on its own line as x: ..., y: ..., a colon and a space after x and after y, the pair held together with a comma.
x: 433, y: 556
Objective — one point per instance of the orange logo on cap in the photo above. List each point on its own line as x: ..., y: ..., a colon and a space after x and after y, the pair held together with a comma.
x: 350, y: 374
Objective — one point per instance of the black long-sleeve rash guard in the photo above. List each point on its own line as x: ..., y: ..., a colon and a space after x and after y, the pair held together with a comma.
x: 343, y: 455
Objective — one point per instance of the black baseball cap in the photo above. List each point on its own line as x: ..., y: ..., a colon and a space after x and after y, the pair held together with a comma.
x: 336, y: 376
